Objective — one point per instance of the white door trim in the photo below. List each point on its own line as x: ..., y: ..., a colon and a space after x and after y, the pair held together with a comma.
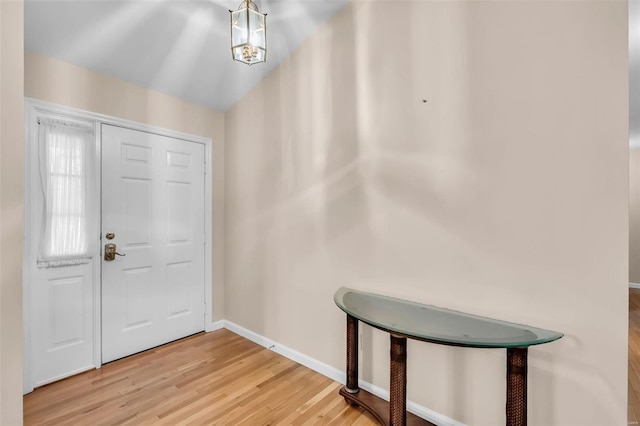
x: 34, y: 107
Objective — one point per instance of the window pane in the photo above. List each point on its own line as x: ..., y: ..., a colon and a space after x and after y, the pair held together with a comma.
x: 64, y: 153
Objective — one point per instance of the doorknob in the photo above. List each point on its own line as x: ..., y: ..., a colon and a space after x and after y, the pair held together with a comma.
x: 110, y: 252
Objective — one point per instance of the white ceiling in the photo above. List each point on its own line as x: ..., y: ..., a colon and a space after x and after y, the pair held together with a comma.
x: 179, y: 47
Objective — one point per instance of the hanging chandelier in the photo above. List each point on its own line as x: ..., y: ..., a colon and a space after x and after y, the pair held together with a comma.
x: 248, y: 34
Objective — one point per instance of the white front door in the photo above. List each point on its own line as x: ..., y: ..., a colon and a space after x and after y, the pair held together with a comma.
x: 153, y: 204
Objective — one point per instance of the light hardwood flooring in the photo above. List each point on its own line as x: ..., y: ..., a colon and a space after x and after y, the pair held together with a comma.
x: 217, y: 378
x: 221, y: 378
x: 634, y: 357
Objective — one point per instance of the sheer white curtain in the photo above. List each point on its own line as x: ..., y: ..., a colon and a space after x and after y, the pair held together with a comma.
x: 66, y: 157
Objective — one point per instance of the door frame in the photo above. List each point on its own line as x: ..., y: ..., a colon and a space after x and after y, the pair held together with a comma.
x: 33, y: 108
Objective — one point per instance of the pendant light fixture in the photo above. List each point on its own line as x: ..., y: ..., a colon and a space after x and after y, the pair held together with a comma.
x: 248, y: 34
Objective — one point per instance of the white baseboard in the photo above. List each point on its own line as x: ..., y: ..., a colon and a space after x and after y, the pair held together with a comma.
x: 213, y: 326
x: 634, y: 285
x: 412, y: 407
x: 300, y: 358
x: 334, y: 373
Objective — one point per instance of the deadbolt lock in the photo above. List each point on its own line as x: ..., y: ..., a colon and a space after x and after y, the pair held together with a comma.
x: 110, y: 252
x: 110, y: 235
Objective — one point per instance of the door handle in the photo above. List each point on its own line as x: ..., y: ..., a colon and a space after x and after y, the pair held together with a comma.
x: 110, y: 252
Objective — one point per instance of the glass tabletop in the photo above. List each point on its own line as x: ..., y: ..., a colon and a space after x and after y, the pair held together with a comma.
x: 438, y: 325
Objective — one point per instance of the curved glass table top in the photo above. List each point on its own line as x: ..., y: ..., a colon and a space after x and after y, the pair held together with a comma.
x: 438, y: 325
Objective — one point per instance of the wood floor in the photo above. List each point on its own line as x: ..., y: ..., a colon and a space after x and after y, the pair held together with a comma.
x: 634, y: 357
x: 221, y: 378
x: 216, y: 378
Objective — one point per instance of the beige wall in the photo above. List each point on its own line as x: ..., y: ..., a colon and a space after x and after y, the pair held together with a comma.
x: 11, y: 210
x: 634, y: 142
x: 634, y: 215
x: 65, y: 84
x: 505, y: 194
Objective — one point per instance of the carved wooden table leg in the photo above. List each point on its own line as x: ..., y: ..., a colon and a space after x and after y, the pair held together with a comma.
x: 517, y: 386
x: 352, y: 355
x: 398, y: 382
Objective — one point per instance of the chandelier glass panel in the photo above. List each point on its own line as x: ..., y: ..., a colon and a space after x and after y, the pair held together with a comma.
x: 248, y: 34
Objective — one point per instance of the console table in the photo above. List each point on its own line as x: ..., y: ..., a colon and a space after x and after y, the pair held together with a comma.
x: 404, y: 320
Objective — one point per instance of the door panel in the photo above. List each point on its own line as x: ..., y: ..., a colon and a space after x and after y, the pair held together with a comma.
x: 137, y: 211
x: 66, y: 296
x: 153, y: 201
x: 62, y: 319
x: 58, y: 300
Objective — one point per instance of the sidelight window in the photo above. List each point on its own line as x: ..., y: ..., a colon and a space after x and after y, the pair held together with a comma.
x: 66, y: 162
